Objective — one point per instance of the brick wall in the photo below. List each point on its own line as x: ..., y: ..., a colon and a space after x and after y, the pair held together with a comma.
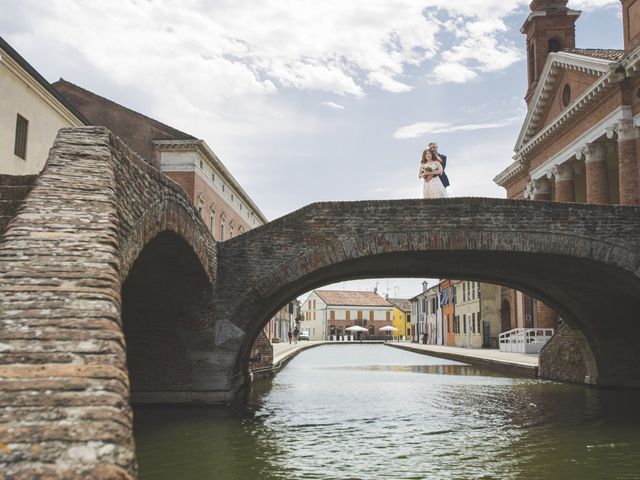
x: 261, y: 362
x: 562, y: 358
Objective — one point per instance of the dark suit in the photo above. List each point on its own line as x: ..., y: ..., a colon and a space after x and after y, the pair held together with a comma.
x: 443, y: 177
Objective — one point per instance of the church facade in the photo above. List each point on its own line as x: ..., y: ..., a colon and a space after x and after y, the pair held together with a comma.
x: 580, y: 141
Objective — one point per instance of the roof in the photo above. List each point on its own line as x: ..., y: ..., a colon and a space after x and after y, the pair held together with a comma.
x: 68, y: 88
x: 604, y: 53
x: 26, y: 66
x: 402, y: 303
x: 352, y: 298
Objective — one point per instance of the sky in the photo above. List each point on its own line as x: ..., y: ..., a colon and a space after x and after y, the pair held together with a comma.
x: 308, y: 101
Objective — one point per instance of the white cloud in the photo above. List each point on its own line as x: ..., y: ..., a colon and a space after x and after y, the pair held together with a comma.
x: 452, y: 72
x: 420, y: 129
x: 333, y: 105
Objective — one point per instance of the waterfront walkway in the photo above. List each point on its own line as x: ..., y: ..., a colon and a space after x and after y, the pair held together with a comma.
x: 515, y: 363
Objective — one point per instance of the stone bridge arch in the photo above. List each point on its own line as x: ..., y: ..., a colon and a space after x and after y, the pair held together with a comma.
x: 98, y: 218
x: 578, y: 259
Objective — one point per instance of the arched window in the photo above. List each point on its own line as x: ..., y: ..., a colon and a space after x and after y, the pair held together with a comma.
x: 212, y: 219
x: 554, y: 45
x: 223, y: 219
x: 566, y: 95
x: 532, y: 64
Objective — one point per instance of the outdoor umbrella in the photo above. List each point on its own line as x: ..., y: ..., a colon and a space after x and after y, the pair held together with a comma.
x: 388, y: 328
x: 357, y: 328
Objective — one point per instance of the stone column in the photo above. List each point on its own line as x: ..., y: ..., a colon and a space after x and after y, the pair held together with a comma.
x: 542, y: 189
x: 596, y: 173
x: 565, y: 184
x: 628, y: 162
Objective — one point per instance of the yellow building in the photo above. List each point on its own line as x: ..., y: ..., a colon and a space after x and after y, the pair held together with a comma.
x: 402, y: 318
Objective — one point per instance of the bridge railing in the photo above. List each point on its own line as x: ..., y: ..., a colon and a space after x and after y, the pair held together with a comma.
x: 525, y: 340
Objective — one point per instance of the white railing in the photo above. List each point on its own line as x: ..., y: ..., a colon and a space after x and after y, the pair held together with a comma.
x: 525, y: 340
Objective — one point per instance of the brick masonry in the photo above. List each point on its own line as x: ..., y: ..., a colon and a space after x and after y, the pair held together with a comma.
x: 112, y: 290
x: 558, y: 253
x: 562, y: 358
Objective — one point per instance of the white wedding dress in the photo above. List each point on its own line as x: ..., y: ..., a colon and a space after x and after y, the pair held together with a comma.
x: 433, y: 188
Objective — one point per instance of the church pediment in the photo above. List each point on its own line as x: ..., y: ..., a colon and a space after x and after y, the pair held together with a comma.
x: 567, y: 86
x: 551, y: 99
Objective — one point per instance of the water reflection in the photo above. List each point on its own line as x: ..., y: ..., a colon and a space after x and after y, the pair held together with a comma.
x: 372, y: 412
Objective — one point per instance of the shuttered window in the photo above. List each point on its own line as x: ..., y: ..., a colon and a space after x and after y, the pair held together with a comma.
x: 22, y: 129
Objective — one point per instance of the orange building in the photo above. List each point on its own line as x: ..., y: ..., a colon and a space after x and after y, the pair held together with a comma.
x: 448, y: 305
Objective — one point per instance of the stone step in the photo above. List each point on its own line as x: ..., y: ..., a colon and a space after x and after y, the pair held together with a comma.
x: 17, y: 180
x: 14, y: 192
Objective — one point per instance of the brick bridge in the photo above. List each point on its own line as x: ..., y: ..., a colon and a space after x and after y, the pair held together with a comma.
x: 112, y: 291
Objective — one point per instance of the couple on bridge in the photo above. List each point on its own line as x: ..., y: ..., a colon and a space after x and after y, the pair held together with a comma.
x: 432, y: 171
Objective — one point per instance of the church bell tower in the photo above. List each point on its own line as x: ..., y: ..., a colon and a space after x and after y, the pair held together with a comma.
x: 550, y: 27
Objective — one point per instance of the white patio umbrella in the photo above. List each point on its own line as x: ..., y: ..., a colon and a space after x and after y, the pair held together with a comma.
x: 388, y: 328
x: 356, y: 328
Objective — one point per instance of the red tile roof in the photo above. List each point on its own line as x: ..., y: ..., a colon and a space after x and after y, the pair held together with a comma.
x: 350, y: 298
x: 607, y: 54
x: 402, y: 303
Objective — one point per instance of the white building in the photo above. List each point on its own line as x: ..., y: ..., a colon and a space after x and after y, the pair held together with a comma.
x: 328, y: 313
x: 31, y: 113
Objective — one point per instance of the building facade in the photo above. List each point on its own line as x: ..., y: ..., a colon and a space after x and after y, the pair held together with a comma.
x: 327, y: 313
x: 448, y: 306
x: 225, y: 207
x: 580, y: 140
x: 286, y: 320
x: 31, y: 113
x: 401, y: 318
x: 467, y: 315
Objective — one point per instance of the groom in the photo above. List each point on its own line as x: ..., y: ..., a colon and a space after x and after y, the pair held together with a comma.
x: 433, y: 148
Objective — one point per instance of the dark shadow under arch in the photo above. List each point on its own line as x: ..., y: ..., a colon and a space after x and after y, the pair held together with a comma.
x: 166, y: 296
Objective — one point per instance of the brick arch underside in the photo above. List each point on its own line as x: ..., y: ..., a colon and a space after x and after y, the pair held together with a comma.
x: 166, y: 303
x: 585, y: 281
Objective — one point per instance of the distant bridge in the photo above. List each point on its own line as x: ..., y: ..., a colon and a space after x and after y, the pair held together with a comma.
x: 113, y: 289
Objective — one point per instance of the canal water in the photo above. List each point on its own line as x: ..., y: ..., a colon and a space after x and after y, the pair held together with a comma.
x: 373, y: 412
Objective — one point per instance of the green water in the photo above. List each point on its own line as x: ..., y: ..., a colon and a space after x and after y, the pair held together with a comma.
x: 373, y: 412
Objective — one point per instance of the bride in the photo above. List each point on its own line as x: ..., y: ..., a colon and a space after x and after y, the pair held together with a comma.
x: 430, y: 171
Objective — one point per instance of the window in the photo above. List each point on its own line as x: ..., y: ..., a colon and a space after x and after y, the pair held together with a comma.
x: 213, y: 177
x: 348, y: 315
x: 473, y: 322
x: 332, y: 314
x: 221, y: 231
x: 554, y: 45
x: 232, y: 197
x: 359, y: 314
x: 223, y: 187
x: 22, y: 130
x: 464, y: 324
x: 464, y: 292
x: 388, y: 316
x: 314, y: 304
x: 371, y: 316
x: 201, y: 165
x: 566, y: 95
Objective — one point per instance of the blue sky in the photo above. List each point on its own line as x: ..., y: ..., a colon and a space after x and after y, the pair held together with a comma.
x: 310, y: 101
